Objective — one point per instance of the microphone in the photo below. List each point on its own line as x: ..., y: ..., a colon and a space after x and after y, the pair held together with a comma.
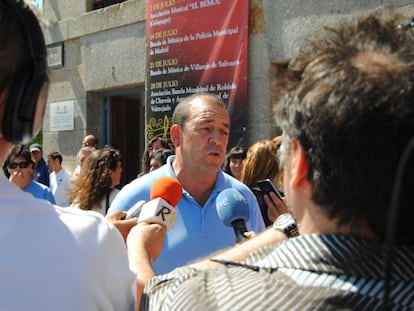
x: 165, y: 194
x: 233, y: 210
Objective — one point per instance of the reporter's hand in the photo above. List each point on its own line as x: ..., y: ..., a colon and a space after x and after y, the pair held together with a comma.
x: 250, y: 234
x: 20, y: 178
x: 275, y: 206
x: 123, y: 225
x: 146, y: 239
x: 144, y: 244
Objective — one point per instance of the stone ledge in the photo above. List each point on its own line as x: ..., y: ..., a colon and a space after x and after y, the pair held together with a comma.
x: 114, y: 16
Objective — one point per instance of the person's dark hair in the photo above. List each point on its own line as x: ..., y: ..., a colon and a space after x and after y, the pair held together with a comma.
x: 56, y: 155
x: 235, y: 152
x: 18, y: 151
x: 182, y: 110
x: 164, y: 143
x: 349, y: 103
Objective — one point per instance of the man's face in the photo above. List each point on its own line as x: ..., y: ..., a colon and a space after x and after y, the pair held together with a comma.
x: 36, y: 155
x: 51, y: 164
x: 204, y: 137
x: 89, y: 141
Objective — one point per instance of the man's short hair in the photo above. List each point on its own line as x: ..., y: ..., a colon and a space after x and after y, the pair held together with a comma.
x: 182, y: 110
x: 56, y: 155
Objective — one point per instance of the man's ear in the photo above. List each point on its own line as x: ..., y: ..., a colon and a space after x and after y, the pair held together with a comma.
x: 175, y: 134
x: 299, y: 165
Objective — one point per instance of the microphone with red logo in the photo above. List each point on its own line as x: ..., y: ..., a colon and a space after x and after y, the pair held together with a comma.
x: 165, y: 194
x: 233, y: 210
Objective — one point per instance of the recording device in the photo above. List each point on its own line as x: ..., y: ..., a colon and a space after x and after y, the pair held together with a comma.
x: 266, y: 186
x: 27, y: 97
x: 165, y: 194
x: 233, y: 210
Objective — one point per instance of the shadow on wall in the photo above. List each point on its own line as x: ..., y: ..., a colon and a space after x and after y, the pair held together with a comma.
x: 99, y: 4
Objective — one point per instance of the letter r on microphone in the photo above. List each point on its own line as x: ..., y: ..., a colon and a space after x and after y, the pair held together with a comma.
x: 160, y: 212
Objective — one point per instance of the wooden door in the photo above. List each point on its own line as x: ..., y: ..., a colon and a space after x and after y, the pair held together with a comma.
x: 126, y: 128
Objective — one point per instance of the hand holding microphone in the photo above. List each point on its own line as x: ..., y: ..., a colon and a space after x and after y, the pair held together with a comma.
x: 165, y: 194
x: 233, y: 210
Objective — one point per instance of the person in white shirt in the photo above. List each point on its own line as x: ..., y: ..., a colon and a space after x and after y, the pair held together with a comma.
x: 52, y: 258
x: 59, y: 179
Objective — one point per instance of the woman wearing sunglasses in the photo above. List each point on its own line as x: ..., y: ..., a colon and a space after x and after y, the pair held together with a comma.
x: 19, y: 167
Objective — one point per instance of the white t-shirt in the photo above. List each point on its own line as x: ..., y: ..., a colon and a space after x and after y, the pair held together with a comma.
x: 56, y: 258
x: 104, y: 204
x: 60, y: 185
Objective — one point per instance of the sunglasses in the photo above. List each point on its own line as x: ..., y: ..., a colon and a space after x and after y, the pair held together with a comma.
x: 13, y: 165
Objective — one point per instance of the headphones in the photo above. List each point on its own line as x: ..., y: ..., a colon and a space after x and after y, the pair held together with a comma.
x: 27, y: 96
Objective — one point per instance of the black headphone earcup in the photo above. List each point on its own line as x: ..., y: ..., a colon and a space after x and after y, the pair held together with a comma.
x: 25, y: 101
x: 21, y: 104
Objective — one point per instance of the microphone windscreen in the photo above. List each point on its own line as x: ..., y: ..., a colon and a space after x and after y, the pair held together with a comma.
x: 167, y: 188
x: 231, y: 206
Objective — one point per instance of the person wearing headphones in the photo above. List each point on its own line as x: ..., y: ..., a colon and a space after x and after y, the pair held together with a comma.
x: 51, y: 258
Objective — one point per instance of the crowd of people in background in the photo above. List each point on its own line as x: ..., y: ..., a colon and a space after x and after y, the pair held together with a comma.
x: 96, y: 186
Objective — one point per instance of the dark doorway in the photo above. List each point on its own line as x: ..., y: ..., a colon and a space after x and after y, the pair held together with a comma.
x: 127, y: 133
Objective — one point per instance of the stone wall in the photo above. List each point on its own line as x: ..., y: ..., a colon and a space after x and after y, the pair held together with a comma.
x: 105, y: 50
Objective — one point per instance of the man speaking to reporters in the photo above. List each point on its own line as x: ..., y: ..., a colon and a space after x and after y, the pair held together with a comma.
x: 347, y: 118
x: 200, y: 133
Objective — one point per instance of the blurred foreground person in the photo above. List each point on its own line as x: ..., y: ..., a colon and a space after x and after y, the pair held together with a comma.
x: 51, y: 258
x: 347, y: 118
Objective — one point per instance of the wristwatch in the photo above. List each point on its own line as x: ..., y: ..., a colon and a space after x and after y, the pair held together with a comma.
x: 287, y: 225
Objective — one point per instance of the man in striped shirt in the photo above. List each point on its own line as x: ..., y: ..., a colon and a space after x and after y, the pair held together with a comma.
x: 347, y: 118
